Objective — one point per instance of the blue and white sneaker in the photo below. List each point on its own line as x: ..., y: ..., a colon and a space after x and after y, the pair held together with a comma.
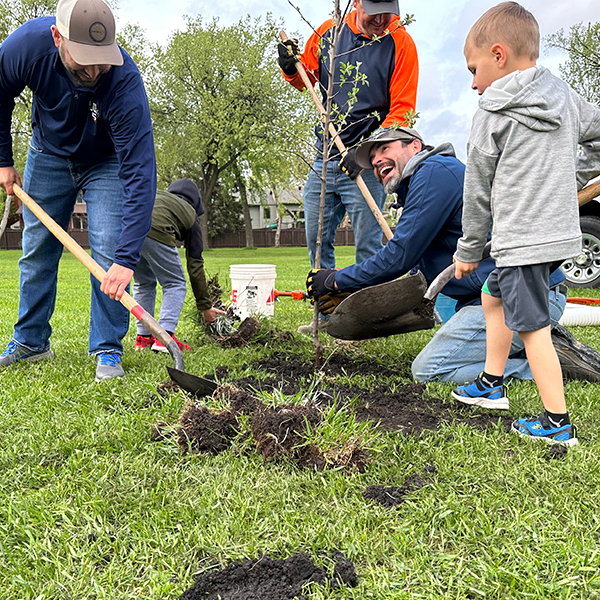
x: 108, y: 366
x: 539, y: 428
x: 15, y: 352
x: 480, y: 394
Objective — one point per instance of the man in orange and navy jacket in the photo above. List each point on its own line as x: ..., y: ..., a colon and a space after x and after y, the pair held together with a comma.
x: 372, y: 35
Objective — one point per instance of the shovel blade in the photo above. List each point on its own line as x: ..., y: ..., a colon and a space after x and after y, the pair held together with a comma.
x: 198, y: 386
x: 382, y: 310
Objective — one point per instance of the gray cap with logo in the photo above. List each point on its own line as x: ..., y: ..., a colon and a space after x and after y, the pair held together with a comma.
x: 88, y: 29
x: 377, y: 7
x: 387, y: 134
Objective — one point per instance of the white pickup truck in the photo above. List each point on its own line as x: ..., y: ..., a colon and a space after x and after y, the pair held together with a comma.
x: 583, y: 270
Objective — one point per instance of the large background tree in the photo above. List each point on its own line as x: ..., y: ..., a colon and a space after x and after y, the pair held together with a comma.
x: 582, y: 69
x: 221, y: 108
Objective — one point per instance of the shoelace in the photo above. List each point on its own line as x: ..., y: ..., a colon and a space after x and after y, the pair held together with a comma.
x: 10, y: 349
x: 109, y: 359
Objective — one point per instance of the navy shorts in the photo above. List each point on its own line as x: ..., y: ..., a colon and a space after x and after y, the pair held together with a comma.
x: 524, y: 292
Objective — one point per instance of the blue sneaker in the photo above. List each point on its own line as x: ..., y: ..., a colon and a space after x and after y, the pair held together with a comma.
x: 480, y: 394
x: 539, y: 428
x: 108, y: 366
x: 15, y: 352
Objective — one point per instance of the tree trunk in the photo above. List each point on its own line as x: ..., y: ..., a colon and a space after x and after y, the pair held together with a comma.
x: 241, y: 186
x: 279, y: 208
x: 206, y: 186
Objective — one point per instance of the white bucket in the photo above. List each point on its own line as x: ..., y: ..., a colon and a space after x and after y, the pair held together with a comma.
x: 253, y: 289
x: 580, y: 315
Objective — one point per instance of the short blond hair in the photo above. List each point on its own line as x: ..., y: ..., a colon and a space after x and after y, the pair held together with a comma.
x: 507, y: 22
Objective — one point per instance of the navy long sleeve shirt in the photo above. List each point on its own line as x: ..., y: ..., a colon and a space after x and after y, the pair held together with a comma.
x: 83, y: 124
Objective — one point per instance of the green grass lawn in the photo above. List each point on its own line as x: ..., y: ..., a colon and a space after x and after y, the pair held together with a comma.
x: 91, y: 508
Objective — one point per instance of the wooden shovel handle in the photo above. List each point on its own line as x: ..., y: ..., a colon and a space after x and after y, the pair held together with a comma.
x: 340, y: 145
x: 588, y: 193
x: 98, y: 272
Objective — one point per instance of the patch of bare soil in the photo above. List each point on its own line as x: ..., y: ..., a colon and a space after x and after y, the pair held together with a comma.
x: 268, y: 579
x: 203, y: 430
x: 280, y: 430
x: 405, y: 409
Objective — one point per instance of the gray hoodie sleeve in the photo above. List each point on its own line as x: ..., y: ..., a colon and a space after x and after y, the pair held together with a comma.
x: 588, y: 159
x: 477, y: 210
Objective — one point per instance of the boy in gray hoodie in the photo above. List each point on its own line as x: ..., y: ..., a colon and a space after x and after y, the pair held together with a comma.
x: 521, y: 181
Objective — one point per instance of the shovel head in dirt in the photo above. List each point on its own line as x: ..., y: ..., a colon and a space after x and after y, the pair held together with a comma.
x: 382, y: 310
x: 198, y: 386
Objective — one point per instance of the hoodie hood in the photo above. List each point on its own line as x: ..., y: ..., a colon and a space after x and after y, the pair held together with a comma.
x: 188, y: 191
x: 532, y: 97
x: 445, y: 149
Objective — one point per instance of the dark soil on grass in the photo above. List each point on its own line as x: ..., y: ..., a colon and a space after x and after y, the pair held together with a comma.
x: 203, y: 430
x: 268, y: 579
x: 279, y: 431
x: 403, y: 408
x: 282, y: 431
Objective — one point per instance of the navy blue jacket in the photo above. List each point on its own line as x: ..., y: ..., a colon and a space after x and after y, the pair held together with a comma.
x: 427, y: 232
x: 83, y: 124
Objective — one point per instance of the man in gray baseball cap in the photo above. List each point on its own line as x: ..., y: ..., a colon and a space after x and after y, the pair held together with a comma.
x: 428, y: 183
x: 92, y: 135
x: 88, y: 31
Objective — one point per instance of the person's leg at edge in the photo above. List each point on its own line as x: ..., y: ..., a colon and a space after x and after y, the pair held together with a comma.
x: 103, y: 193
x: 368, y: 234
x: 455, y: 353
x: 48, y: 181
x: 166, y: 266
x: 545, y: 368
x: 144, y: 288
x: 312, y: 201
x: 498, y: 336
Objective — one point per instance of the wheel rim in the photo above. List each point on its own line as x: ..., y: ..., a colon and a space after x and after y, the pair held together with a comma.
x: 585, y: 267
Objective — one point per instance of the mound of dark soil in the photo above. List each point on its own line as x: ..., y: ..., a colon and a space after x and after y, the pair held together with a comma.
x: 407, y: 410
x: 241, y: 336
x: 203, y: 430
x: 280, y: 430
x: 267, y: 579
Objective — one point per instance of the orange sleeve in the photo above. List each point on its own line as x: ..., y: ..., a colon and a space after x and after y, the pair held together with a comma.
x: 310, y: 57
x: 403, y: 86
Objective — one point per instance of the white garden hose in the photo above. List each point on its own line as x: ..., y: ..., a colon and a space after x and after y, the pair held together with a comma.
x: 580, y: 315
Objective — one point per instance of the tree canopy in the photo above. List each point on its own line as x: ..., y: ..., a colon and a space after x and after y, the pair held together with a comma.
x: 220, y: 106
x: 582, y: 69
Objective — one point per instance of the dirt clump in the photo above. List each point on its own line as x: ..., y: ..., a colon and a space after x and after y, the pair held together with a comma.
x: 267, y: 579
x: 241, y: 336
x: 203, y: 430
x: 282, y: 429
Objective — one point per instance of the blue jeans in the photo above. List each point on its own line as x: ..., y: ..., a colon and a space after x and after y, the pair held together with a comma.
x: 457, y: 351
x: 343, y: 195
x: 54, y: 183
x: 159, y: 262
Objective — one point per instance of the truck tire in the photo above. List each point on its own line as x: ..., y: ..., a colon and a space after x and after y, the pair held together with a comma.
x: 583, y: 271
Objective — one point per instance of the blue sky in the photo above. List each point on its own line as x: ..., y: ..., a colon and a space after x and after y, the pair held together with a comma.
x: 445, y: 101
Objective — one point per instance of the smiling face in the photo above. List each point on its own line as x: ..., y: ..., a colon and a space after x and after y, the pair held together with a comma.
x: 371, y: 25
x: 484, y: 65
x: 389, y: 159
x: 80, y: 75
